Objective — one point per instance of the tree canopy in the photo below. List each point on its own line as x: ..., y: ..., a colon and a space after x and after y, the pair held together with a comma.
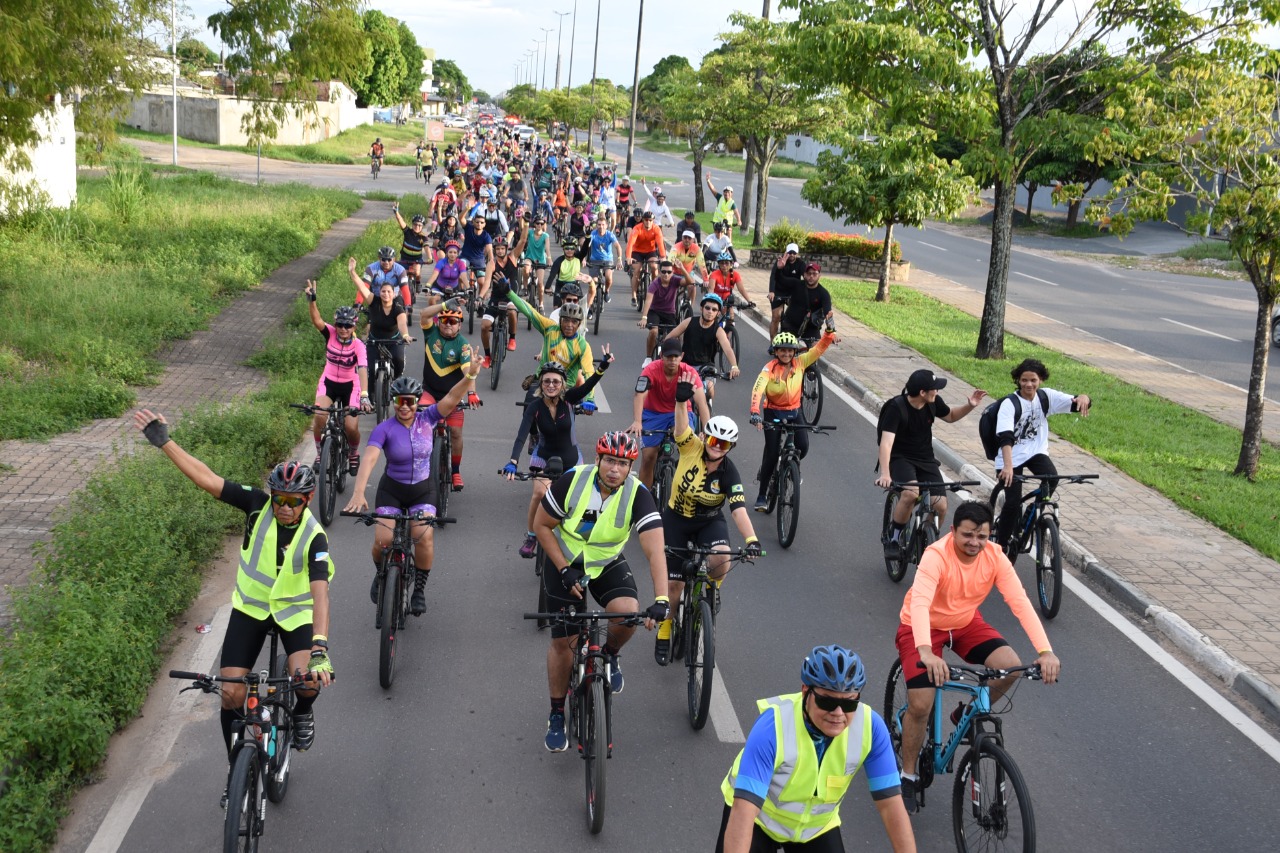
x: 451, y: 83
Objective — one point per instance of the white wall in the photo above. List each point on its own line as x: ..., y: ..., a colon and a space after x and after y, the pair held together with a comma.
x: 807, y: 151
x: 53, y: 159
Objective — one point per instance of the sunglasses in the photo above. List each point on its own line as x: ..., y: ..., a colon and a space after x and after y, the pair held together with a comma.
x: 712, y: 307
x: 721, y: 443
x: 408, y: 401
x: 553, y: 382
x: 344, y: 326
x: 830, y: 703
x: 290, y: 501
x: 450, y: 322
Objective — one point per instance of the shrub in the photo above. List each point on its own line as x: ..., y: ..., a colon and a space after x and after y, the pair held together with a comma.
x: 783, y: 232
x: 827, y: 243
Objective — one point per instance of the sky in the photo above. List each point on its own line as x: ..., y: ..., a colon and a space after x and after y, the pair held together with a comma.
x: 488, y: 37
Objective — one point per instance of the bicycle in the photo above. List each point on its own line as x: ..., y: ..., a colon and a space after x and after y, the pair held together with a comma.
x: 588, y: 706
x: 693, y: 626
x: 469, y: 293
x: 395, y: 578
x: 1038, y: 528
x: 375, y: 166
x: 783, y: 492
x: 664, y: 470
x: 382, y: 374
x: 417, y: 169
x: 444, y: 463
x: 335, y: 453
x: 981, y: 811
x: 261, y: 746
x: 555, y: 467
x: 498, y: 336
x: 663, y: 331
x: 730, y: 326
x: 922, y: 525
x: 597, y: 304
x: 640, y: 282
x: 811, y: 391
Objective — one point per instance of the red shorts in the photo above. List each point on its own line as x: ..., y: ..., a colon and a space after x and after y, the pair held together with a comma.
x: 974, y: 643
x: 455, y: 417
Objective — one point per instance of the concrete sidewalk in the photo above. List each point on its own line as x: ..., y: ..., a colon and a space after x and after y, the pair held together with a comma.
x: 207, y: 367
x: 1217, y: 599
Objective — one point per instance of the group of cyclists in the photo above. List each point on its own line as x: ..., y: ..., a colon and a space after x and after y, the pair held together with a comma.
x: 582, y: 519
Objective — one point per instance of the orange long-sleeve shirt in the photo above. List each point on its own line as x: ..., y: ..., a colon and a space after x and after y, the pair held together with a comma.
x: 946, y: 593
x: 779, y: 387
x: 645, y: 240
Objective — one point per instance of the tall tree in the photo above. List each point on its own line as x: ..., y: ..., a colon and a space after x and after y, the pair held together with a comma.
x: 451, y: 82
x: 411, y: 86
x: 195, y: 56
x: 383, y: 81
x: 691, y: 102
x: 278, y: 48
x: 651, y: 100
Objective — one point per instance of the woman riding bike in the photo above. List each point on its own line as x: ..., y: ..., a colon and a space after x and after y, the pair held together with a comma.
x: 449, y: 231
x: 388, y: 323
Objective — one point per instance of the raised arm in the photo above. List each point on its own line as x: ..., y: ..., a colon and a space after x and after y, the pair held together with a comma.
x: 312, y: 309
x: 154, y: 426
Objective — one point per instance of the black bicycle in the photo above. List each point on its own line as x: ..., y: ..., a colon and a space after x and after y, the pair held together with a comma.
x: 589, y: 702
x: 381, y: 375
x: 396, y: 573
x: 663, y: 331
x: 597, y: 303
x: 811, y: 392
x: 261, y: 745
x: 693, y: 625
x: 664, y: 469
x: 783, y: 492
x: 640, y: 281
x: 1038, y: 529
x: 335, y: 454
x: 444, y: 462
x: 922, y: 525
x: 499, y: 334
x: 555, y: 467
x: 730, y: 326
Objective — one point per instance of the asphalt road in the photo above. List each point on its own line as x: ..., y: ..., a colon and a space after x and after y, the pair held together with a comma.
x: 1118, y: 756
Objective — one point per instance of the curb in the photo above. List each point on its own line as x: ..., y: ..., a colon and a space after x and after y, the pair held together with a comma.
x: 1246, y: 684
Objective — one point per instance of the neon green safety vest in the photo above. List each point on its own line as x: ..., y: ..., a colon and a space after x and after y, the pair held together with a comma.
x: 284, y: 592
x: 804, y: 797
x: 723, y: 207
x: 612, y: 527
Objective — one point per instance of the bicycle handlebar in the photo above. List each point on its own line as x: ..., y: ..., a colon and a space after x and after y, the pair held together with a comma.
x: 983, y: 674
x: 792, y: 425
x: 953, y: 485
x: 332, y: 409
x: 707, y: 551
x: 1054, y: 478
x: 368, y: 518
x: 207, y: 680
x: 589, y: 616
x: 528, y: 475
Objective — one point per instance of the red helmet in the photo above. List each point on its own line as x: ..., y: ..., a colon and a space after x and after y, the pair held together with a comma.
x: 619, y: 444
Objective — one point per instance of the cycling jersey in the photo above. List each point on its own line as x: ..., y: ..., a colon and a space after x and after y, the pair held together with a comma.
x: 600, y: 247
x: 779, y: 386
x: 697, y: 493
x: 722, y: 285
x: 341, y: 361
x: 407, y: 448
x: 473, y: 246
x: 646, y: 239
x: 412, y: 245
x: 374, y: 276
x: 447, y: 359
x: 573, y: 354
x: 565, y: 269
x: 686, y: 257
x: 448, y: 274
x: 624, y: 194
x: 556, y: 433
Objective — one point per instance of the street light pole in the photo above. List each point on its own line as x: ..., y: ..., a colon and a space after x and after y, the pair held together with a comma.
x: 635, y: 91
x: 537, y: 48
x: 573, y: 38
x: 558, y: 37
x: 594, y: 62
x: 173, y: 55
x: 546, y: 35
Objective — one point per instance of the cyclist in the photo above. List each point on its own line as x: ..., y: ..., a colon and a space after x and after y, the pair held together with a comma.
x: 535, y: 258
x: 604, y: 254
x: 407, y: 483
x: 378, y: 152
x: 690, y: 223
x: 607, y: 201
x: 550, y: 415
x: 785, y: 787
x: 568, y: 268
x: 1024, y: 441
x: 495, y: 221
x: 689, y: 265
x: 624, y: 197
x: 657, y: 205
x: 499, y: 296
x: 443, y: 202
x: 449, y: 276
x: 659, y: 309
x: 413, y: 246
x: 955, y: 575
x: 654, y: 404
x: 345, y: 375
x: 786, y: 278
x: 448, y: 361
x: 579, y: 222
x: 702, y: 336
x: 543, y: 207
x: 272, y: 591
x: 388, y: 323
x: 516, y: 188
x: 449, y: 231
x: 716, y: 244
x: 706, y: 480
x: 582, y: 524
x: 383, y: 269
x: 644, y: 246
x: 726, y: 210
x: 724, y: 280
x: 477, y: 249
x: 811, y: 302
x: 905, y: 438
x: 776, y: 397
x: 562, y: 342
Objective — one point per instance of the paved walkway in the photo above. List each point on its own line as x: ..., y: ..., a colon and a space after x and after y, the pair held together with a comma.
x: 1213, y: 596
x: 207, y: 367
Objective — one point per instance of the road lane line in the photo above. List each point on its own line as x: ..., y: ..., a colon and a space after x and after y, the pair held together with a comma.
x: 1033, y: 278
x: 1198, y: 329
x: 931, y: 246
x: 602, y: 402
x: 723, y: 717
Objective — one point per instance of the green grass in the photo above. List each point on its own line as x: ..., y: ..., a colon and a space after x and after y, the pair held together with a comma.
x: 783, y: 167
x: 1215, y: 250
x: 740, y: 240
x: 148, y: 259
x: 1181, y: 453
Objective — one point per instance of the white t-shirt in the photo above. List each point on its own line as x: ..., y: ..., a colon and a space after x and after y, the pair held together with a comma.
x: 1031, y: 433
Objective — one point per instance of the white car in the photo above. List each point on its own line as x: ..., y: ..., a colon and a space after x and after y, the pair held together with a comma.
x: 455, y: 121
x: 526, y: 133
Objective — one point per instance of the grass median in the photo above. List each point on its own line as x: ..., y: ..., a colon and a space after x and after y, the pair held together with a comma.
x: 1185, y: 455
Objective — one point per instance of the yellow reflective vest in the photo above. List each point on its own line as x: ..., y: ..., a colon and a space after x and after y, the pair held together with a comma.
x: 612, y: 526
x: 804, y: 796
x: 283, y: 592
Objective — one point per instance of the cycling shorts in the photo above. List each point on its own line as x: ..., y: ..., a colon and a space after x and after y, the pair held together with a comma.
x: 455, y: 417
x: 493, y: 308
x: 395, y: 496
x: 338, y: 392
x: 661, y: 318
x: 615, y: 581
x: 643, y: 257
x: 597, y: 269
x: 974, y: 643
x: 536, y: 264
x: 246, y: 635
x: 904, y: 471
x: 651, y: 420
x: 405, y: 261
x: 679, y: 530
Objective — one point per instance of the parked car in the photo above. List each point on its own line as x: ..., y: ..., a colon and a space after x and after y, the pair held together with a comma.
x: 526, y: 133
x: 455, y: 121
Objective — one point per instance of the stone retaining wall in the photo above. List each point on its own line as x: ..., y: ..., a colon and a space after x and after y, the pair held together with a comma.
x: 837, y: 265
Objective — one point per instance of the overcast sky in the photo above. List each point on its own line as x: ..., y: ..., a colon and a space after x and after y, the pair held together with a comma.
x: 487, y: 37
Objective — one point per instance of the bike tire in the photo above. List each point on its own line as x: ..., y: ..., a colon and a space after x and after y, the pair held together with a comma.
x: 811, y: 396
x: 240, y: 828
x: 1048, y: 566
x: 471, y: 313
x: 926, y: 535
x: 390, y: 601
x: 444, y: 473
x: 989, y: 775
x: 895, y: 700
x: 595, y: 750
x: 381, y: 402
x: 722, y: 361
x: 499, y: 353
x: 788, y: 516
x: 701, y: 661
x: 327, y: 483
x: 540, y: 567
x: 278, y: 766
x: 897, y: 568
x: 598, y: 309
x: 662, y: 481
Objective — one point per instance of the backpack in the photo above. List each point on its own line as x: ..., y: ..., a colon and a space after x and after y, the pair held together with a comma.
x: 987, y: 422
x: 904, y: 409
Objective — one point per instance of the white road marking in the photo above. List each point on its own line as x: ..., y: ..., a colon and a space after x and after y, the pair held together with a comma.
x: 723, y: 717
x: 1198, y: 329
x: 931, y: 246
x: 1033, y: 278
x: 602, y: 402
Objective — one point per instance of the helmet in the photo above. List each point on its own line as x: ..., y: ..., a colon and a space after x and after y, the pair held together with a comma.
x: 452, y: 244
x: 379, y: 139
x: 833, y: 668
x: 571, y: 311
x: 345, y: 316
x: 386, y: 253
x: 570, y: 288
x: 719, y: 226
x: 450, y: 314
x: 711, y: 297
x: 570, y: 243
x: 552, y: 367
x: 406, y: 386
x: 619, y: 444
x: 724, y: 256
x: 722, y: 427
x: 786, y: 340
x: 292, y: 476
x: 419, y: 219
x: 539, y: 220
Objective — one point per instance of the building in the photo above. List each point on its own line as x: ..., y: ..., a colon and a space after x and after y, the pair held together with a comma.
x: 51, y: 175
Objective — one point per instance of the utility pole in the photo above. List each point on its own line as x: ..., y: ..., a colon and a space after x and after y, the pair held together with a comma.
x: 573, y: 38
x: 595, y: 59
x: 173, y: 55
x: 558, y: 37
x: 749, y: 178
x: 635, y: 91
x: 546, y: 34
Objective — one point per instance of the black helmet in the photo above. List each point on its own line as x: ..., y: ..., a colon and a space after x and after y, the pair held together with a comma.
x: 570, y: 288
x: 406, y: 386
x: 292, y: 476
x: 386, y: 253
x: 570, y: 243
x: 552, y: 367
x: 419, y: 219
x: 345, y: 316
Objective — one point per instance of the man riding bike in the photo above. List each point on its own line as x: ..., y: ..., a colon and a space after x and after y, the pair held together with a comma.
x: 377, y: 152
x: 654, y: 404
x: 384, y: 269
x: 448, y: 362
x: 644, y: 246
x: 568, y: 268
x: 604, y: 254
x: 413, y: 247
x: 702, y: 337
x: 499, y: 295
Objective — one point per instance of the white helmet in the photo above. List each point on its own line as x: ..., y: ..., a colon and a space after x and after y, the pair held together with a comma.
x: 723, y: 428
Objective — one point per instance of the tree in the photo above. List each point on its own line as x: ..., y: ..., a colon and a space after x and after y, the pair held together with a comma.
x: 690, y: 101
x: 411, y: 86
x: 482, y: 96
x: 383, y: 81
x: 451, y: 82
x: 651, y: 100
x: 195, y: 56
x: 1206, y: 132
x: 895, y: 179
x: 279, y: 48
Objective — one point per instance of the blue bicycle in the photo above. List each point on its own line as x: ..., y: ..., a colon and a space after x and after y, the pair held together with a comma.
x: 990, y: 804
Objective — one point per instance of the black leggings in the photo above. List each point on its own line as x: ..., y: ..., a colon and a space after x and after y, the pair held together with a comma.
x: 828, y: 842
x: 246, y: 635
x: 1038, y: 464
x: 772, y: 440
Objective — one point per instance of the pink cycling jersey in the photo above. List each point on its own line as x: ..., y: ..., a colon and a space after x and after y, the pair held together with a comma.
x: 341, y: 360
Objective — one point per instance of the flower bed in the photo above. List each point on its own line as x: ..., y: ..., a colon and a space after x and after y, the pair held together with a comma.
x: 839, y: 254
x: 837, y: 265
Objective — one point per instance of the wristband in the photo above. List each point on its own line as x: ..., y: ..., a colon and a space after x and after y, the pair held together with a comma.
x: 1045, y: 652
x: 311, y: 297
x: 321, y: 644
x: 753, y: 539
x: 662, y: 598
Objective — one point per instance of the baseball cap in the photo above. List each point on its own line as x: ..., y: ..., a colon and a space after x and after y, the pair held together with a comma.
x: 687, y: 234
x: 813, y: 265
x: 672, y: 346
x: 924, y: 380
x: 792, y: 247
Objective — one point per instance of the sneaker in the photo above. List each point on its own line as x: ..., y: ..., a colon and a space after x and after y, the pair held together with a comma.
x: 590, y: 314
x: 893, y: 550
x: 418, y: 601
x: 222, y: 804
x: 556, y: 740
x: 373, y: 589
x: 608, y: 297
x: 762, y: 504
x: 634, y: 304
x: 486, y: 362
x: 316, y: 464
x: 511, y: 344
x: 909, y: 787
x: 662, y: 650
x: 616, y: 681
x: 353, y: 464
x: 530, y: 544
x: 304, y: 731
x: 457, y: 481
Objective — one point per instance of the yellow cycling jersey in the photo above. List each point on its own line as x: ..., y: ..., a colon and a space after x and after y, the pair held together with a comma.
x: 695, y: 492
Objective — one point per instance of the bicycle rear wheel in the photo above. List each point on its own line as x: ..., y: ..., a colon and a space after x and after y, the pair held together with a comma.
x: 540, y: 566
x: 595, y: 749
x: 1048, y: 565
x: 722, y: 361
x: 895, y: 701
x: 471, y: 313
x: 444, y: 472
x: 788, y: 503
x: 328, y: 480
x: 990, y: 804
x: 811, y: 396
x: 662, y: 481
x: 390, y: 599
x: 701, y: 661
x: 499, y: 353
x: 926, y: 535
x: 598, y: 309
x: 240, y: 828
x: 896, y: 567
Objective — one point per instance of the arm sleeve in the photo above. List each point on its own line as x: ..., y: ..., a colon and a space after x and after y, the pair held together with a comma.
x: 540, y: 322
x: 755, y: 770
x: 757, y: 390
x: 244, y: 498
x: 318, y: 559
x: 1016, y: 597
x: 881, y: 766
x: 923, y: 590
x: 578, y: 393
x: 811, y: 355
x: 526, y: 423
x: 644, y: 512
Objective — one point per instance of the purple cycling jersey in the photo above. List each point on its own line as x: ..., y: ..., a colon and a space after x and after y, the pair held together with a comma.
x: 408, y: 449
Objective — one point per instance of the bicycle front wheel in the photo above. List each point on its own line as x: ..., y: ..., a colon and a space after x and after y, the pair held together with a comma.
x: 895, y: 704
x: 328, y: 480
x: 1048, y: 565
x: 662, y: 481
x: 595, y: 749
x: 390, y: 606
x: 240, y: 828
x: 444, y: 473
x: 811, y: 396
x: 381, y: 398
x: 471, y: 314
x: 990, y: 804
x: 701, y: 661
x: 499, y: 353
x: 278, y: 766
x: 788, y: 503
x: 722, y: 360
x: 895, y: 566
x: 598, y: 309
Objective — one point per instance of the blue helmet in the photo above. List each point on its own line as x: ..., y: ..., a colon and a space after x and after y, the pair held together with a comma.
x: 724, y: 256
x: 711, y: 297
x: 833, y: 668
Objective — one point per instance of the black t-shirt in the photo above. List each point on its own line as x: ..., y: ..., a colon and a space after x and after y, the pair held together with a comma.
x: 804, y: 301
x: 786, y: 280
x: 383, y: 324
x: 700, y: 345
x: 252, y: 501
x: 912, y: 441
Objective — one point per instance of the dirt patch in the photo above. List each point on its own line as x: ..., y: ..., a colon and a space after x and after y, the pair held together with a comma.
x: 1208, y: 268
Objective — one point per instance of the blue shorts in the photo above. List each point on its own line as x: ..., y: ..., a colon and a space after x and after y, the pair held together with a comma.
x: 658, y: 421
